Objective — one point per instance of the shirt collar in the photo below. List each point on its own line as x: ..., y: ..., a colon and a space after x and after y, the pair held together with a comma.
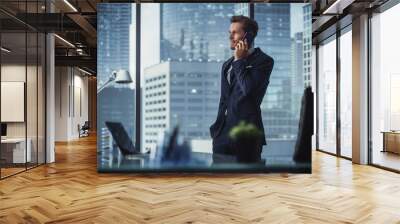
x: 251, y: 50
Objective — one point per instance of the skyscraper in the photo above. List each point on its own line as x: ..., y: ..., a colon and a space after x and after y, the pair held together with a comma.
x: 114, y: 21
x: 199, y: 32
x: 274, y: 39
x: 297, y: 80
x: 307, y: 48
x: 184, y: 88
x: 114, y: 35
x: 195, y: 31
x: 180, y: 93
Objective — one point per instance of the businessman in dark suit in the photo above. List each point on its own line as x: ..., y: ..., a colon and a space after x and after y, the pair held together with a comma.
x: 244, y: 81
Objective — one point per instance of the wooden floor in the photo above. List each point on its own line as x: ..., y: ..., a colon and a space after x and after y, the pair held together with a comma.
x: 10, y: 171
x: 71, y: 191
x: 386, y: 159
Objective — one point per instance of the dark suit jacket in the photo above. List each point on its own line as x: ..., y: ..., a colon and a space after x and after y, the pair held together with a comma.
x: 242, y: 99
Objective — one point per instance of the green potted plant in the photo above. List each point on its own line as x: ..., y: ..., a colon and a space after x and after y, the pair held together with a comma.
x: 246, y: 139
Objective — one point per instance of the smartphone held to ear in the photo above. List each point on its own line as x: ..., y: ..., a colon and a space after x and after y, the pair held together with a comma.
x: 249, y: 37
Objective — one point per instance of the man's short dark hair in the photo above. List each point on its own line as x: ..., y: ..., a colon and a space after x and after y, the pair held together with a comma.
x: 249, y: 25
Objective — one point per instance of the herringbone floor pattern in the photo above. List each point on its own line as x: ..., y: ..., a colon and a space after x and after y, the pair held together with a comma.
x: 71, y: 191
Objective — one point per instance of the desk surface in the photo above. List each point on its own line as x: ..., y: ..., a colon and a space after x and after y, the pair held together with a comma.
x: 390, y: 132
x: 13, y: 140
x: 113, y: 161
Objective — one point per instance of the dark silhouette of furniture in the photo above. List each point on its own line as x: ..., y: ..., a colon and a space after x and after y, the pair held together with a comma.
x: 302, y: 151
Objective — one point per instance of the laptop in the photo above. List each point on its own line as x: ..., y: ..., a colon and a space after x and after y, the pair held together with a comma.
x: 122, y: 139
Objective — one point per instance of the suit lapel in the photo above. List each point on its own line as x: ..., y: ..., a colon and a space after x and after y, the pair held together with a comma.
x: 225, y: 69
x: 250, y: 59
x: 228, y: 64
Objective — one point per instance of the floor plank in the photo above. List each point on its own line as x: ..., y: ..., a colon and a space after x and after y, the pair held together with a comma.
x: 71, y: 191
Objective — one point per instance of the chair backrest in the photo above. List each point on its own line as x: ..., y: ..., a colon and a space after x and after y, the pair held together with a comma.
x: 303, y: 148
x: 86, y: 125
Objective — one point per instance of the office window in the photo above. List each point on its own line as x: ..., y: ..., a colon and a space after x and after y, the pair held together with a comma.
x: 327, y: 95
x: 188, y: 49
x: 385, y: 89
x: 186, y: 44
x: 346, y: 93
x: 313, y: 83
x: 116, y: 52
x: 196, y: 53
x: 282, y: 30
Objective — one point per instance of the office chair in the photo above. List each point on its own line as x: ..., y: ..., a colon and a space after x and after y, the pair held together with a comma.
x: 84, y: 130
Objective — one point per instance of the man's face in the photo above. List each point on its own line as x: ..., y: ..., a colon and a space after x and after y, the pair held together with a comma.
x: 236, y: 33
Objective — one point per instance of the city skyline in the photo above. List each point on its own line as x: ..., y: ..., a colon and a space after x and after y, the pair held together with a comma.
x: 176, y: 38
x: 151, y: 32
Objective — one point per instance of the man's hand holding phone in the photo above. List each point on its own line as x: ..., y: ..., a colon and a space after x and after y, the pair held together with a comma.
x: 241, y: 49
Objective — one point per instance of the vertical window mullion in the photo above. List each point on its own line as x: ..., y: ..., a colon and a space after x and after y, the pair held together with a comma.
x: 26, y: 86
x: 137, y: 68
x: 317, y: 97
x: 338, y: 74
x: 251, y: 10
x: 369, y: 96
x: 37, y: 89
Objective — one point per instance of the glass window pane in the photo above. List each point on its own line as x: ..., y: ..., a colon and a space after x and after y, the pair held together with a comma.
x: 327, y: 96
x: 14, y: 153
x: 183, y: 48
x: 32, y: 95
x: 31, y: 100
x: 41, y: 98
x: 385, y: 89
x: 181, y: 83
x: 116, y: 53
x: 284, y: 34
x: 346, y: 94
x: 314, y: 88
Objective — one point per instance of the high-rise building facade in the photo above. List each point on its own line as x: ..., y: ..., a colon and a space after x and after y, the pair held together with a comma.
x: 307, y: 46
x: 116, y: 102
x: 184, y: 88
x: 194, y: 41
x: 274, y: 38
x: 114, y: 21
x: 180, y: 93
x: 194, y: 31
x: 297, y: 73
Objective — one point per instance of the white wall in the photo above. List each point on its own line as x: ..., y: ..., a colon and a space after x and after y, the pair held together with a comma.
x: 12, y: 73
x: 71, y: 94
x: 16, y: 73
x: 33, y: 126
x: 80, y: 100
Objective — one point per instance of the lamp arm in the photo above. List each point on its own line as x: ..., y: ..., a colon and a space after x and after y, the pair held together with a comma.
x: 104, y: 85
x: 112, y: 78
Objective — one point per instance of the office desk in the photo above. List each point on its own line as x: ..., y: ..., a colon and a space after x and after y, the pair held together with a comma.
x: 13, y: 150
x: 110, y: 161
x: 391, y: 141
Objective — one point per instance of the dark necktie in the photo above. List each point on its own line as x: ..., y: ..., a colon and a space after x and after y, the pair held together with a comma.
x: 230, y: 76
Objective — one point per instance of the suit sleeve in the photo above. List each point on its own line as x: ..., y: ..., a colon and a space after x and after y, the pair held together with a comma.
x: 220, y: 106
x: 222, y: 97
x: 249, y: 79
